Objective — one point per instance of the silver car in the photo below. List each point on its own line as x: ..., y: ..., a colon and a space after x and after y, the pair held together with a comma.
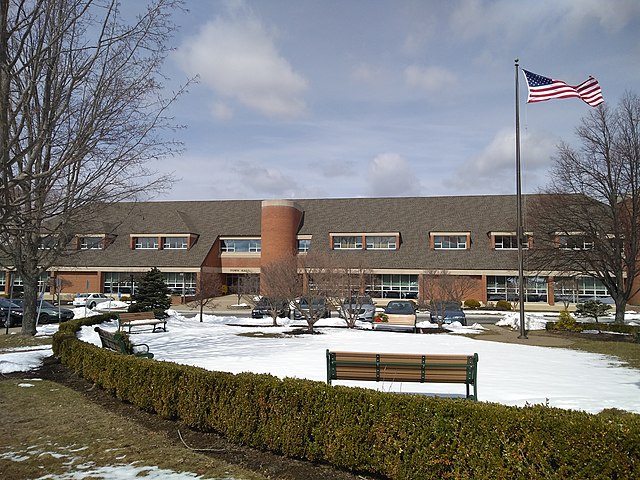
x: 363, y: 306
x: 90, y: 300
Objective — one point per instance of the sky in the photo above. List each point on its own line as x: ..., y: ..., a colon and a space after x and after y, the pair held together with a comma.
x: 375, y: 98
x: 555, y: 376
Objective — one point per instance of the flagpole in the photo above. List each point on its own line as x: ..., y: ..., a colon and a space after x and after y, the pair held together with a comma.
x: 519, y: 228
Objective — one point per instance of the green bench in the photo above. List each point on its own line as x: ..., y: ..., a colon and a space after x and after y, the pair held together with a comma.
x: 115, y: 341
x: 404, y: 367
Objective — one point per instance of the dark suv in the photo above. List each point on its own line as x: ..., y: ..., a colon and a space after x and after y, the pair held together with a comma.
x: 447, y: 312
x: 266, y: 305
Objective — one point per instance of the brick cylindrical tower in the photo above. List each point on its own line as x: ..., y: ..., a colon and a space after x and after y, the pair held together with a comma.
x: 280, y: 221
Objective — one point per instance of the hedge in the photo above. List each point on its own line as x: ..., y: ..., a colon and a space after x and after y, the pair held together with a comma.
x: 390, y: 435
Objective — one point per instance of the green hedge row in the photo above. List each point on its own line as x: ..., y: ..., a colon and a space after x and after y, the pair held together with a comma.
x: 390, y: 435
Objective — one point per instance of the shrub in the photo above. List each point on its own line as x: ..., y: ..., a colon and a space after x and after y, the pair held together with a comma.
x: 503, y: 305
x: 567, y: 322
x: 472, y: 303
x: 592, y: 308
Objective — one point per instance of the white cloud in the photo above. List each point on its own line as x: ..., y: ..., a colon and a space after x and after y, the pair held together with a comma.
x: 494, y: 167
x: 430, y: 79
x: 390, y: 175
x: 267, y: 181
x: 237, y: 58
x: 509, y: 20
x: 221, y: 111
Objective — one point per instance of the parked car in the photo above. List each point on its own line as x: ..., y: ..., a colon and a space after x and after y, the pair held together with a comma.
x: 362, y: 305
x: 90, y: 300
x: 447, y: 312
x: 8, y: 308
x: 398, y: 315
x: 265, y: 306
x: 48, y: 313
x: 316, y: 306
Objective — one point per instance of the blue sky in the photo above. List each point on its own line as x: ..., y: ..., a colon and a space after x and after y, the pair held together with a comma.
x: 364, y: 98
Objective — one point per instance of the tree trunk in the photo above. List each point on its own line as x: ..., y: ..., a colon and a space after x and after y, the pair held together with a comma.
x: 621, y: 305
x: 30, y: 308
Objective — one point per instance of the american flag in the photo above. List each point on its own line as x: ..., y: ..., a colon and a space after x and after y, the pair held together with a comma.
x: 544, y: 88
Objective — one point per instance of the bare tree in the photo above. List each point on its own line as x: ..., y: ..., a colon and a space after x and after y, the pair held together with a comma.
x: 280, y: 283
x: 81, y: 114
x: 439, y: 287
x: 588, y: 221
x: 350, y: 285
x: 209, y: 287
x: 248, y: 288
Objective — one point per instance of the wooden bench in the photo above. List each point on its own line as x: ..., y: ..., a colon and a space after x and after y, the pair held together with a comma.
x: 115, y: 341
x: 137, y: 319
x: 403, y: 367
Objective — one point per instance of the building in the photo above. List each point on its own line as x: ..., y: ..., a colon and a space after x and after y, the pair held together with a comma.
x: 400, y: 241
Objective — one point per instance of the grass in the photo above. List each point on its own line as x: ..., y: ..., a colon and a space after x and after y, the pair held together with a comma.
x: 14, y: 340
x: 50, y: 429
x: 628, y: 352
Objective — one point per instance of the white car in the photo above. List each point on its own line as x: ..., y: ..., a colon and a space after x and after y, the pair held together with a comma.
x: 90, y: 300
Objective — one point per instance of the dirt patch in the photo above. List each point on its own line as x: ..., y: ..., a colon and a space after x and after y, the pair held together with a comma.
x: 210, y: 444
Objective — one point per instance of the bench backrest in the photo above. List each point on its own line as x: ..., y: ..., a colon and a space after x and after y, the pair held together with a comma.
x: 112, y: 341
x: 402, y: 367
x: 129, y: 316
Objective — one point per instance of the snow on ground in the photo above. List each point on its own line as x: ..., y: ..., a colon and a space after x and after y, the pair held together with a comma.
x: 510, y: 374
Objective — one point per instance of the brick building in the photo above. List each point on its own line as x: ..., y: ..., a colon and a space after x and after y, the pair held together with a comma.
x: 399, y: 240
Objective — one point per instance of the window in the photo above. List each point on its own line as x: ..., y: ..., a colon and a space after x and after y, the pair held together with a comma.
x: 179, y: 281
x: 303, y: 245
x: 234, y: 245
x: 506, y: 288
x: 574, y: 242
x: 3, y: 280
x: 146, y: 243
x: 509, y: 242
x: 450, y: 242
x: 175, y: 243
x: 347, y: 242
x: 398, y: 286
x: 381, y: 242
x: 91, y: 243
x: 579, y: 289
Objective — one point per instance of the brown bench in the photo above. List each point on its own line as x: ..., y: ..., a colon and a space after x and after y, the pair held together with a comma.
x: 116, y: 341
x: 137, y: 319
x: 404, y: 367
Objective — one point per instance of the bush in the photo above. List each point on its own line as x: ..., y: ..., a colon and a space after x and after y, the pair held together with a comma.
x: 472, y: 303
x: 377, y: 433
x: 567, y: 322
x: 503, y: 305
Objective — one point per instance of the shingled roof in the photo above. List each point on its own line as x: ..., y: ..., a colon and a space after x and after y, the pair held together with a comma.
x: 413, y: 217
